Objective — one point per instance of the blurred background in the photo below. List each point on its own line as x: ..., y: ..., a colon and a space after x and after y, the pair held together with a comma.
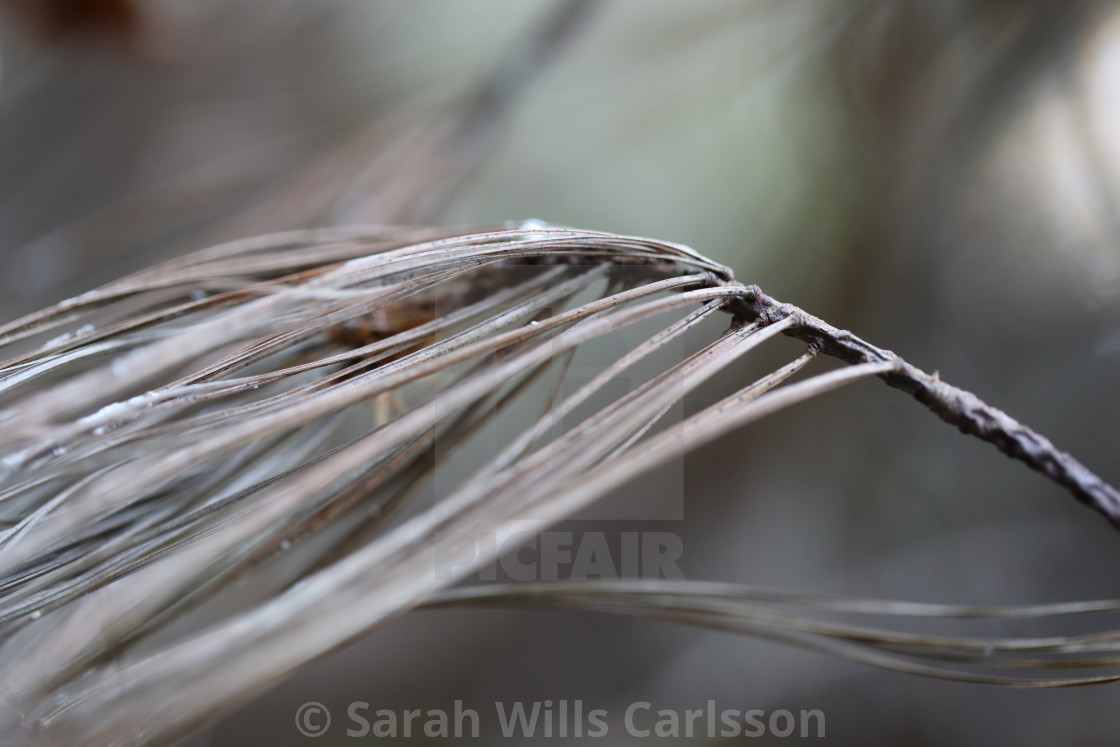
x: 941, y: 178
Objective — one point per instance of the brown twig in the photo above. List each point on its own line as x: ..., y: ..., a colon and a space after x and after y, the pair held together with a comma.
x: 965, y: 410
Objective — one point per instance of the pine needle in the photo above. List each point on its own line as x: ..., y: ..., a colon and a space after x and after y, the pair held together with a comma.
x: 177, y: 431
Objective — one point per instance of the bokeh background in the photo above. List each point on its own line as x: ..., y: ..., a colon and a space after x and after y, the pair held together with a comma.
x: 941, y: 178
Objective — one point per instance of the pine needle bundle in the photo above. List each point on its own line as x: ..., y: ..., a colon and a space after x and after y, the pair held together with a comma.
x: 271, y: 410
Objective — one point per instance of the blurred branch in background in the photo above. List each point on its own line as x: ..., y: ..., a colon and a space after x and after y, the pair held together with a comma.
x: 396, y: 165
x: 940, y: 88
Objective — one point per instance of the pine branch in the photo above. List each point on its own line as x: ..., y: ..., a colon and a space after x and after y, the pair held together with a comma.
x: 176, y: 431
